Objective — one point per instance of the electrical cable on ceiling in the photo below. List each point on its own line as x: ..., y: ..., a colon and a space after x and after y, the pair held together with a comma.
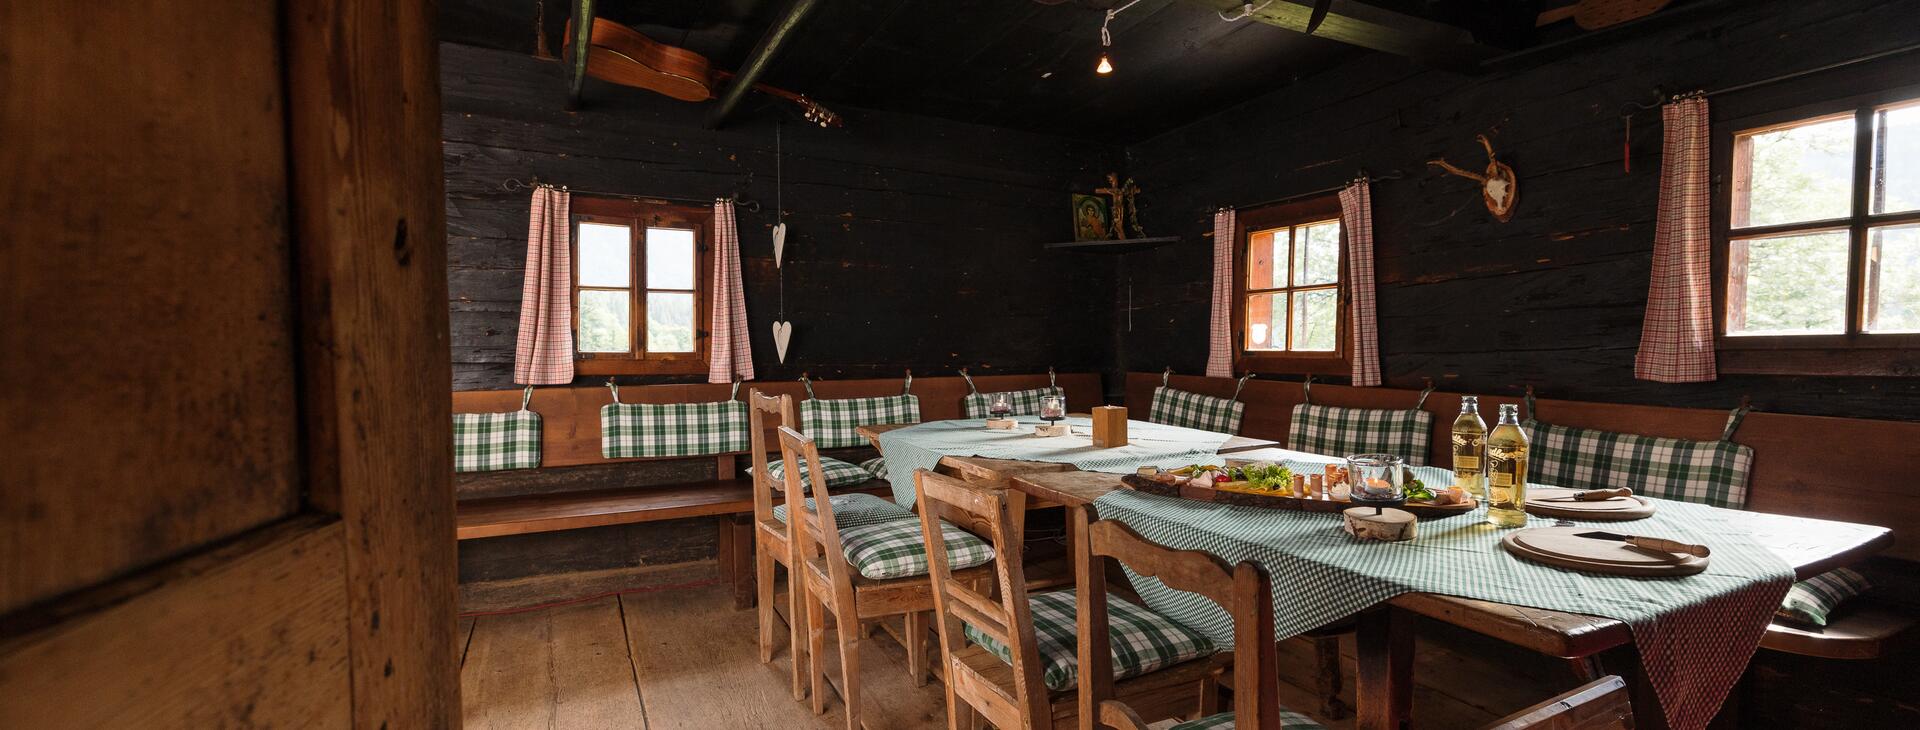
x: 1105, y: 66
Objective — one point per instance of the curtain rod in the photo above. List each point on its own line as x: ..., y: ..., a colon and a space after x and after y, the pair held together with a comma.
x: 513, y: 184
x: 1395, y: 175
x: 1787, y: 76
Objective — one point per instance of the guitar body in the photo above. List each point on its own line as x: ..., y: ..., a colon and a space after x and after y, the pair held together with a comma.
x: 623, y: 56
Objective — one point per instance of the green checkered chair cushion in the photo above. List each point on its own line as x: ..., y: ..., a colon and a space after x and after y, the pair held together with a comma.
x: 1289, y: 720
x: 854, y: 510
x: 1338, y: 431
x: 1176, y: 407
x: 1704, y: 472
x: 831, y: 421
x: 895, y: 549
x: 1143, y: 641
x: 629, y: 430
x: 839, y: 473
x: 877, y: 466
x: 495, y: 441
x: 1025, y: 402
x: 1811, y: 601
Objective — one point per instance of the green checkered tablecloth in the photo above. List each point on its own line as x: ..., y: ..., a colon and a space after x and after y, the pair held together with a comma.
x: 1148, y: 444
x: 1696, y: 633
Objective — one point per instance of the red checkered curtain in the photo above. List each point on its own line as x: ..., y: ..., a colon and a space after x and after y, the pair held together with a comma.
x: 731, y: 355
x: 1220, y: 333
x: 1676, y: 339
x: 543, y: 355
x: 1356, y: 219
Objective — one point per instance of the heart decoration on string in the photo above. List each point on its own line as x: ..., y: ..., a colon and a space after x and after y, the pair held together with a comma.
x: 782, y: 334
x: 779, y: 242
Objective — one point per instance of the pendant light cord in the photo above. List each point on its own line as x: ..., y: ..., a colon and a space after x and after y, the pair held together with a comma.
x: 780, y: 214
x: 1106, y: 38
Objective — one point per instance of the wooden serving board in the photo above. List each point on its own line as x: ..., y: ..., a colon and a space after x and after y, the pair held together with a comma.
x: 1558, y: 546
x: 1276, y: 501
x: 1616, y: 509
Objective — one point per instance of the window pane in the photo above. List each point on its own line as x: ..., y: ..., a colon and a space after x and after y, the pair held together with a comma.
x: 1266, y: 316
x: 603, y: 255
x: 1896, y: 159
x: 1316, y: 317
x: 669, y: 258
x: 1893, y: 283
x: 1267, y: 259
x: 1796, y: 174
x: 1316, y: 260
x: 603, y: 321
x: 669, y: 322
x: 1794, y: 285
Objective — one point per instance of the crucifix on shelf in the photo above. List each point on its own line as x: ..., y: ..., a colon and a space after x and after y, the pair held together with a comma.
x: 1125, y: 215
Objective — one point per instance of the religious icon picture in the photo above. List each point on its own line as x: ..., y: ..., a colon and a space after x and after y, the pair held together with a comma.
x: 1092, y: 218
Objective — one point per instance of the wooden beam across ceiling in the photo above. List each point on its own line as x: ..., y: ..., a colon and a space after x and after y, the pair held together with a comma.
x: 1367, y: 26
x: 761, y: 59
x: 579, y: 44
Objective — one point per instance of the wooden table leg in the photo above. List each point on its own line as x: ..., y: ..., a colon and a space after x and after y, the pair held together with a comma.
x: 1383, y: 687
x: 1624, y: 660
x: 736, y: 557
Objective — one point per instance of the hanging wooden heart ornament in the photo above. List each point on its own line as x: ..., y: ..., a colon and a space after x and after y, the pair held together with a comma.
x: 779, y: 242
x: 782, y: 334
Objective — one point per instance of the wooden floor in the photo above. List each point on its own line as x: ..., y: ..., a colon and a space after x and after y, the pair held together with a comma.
x: 685, y: 658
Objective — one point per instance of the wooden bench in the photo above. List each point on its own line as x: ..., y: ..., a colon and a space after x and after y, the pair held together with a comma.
x: 521, y: 515
x: 1862, y: 629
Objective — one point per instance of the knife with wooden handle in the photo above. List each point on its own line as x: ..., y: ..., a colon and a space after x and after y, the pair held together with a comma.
x: 1651, y: 543
x: 1591, y: 495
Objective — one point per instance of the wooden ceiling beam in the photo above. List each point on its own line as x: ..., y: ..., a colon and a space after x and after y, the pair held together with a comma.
x: 760, y: 60
x: 578, y: 45
x: 1368, y: 26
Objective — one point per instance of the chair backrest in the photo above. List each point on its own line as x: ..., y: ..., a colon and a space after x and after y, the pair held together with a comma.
x: 987, y: 512
x: 1244, y: 591
x: 1602, y: 704
x: 764, y: 486
x: 813, y: 530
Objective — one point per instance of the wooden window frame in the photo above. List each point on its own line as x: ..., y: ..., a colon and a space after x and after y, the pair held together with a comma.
x: 639, y: 215
x: 1282, y: 215
x: 1855, y: 352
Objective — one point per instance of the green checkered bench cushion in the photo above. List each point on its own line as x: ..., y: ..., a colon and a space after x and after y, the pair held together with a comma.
x: 839, y: 473
x: 877, y: 466
x: 1143, y: 641
x: 629, y: 430
x: 1338, y: 431
x: 1811, y: 601
x: 854, y: 510
x: 895, y: 549
x: 831, y: 421
x: 495, y: 441
x: 1176, y: 407
x: 1703, y: 472
x: 1025, y: 402
x: 1289, y: 720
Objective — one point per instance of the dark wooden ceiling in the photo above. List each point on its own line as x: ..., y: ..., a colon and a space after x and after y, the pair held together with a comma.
x: 1020, y: 64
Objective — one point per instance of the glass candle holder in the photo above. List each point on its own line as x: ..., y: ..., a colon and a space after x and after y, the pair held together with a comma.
x: 999, y: 405
x: 1376, y: 480
x: 1053, y: 408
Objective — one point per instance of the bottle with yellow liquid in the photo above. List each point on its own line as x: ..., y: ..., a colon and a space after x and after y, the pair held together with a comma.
x: 1507, y: 470
x: 1469, y: 448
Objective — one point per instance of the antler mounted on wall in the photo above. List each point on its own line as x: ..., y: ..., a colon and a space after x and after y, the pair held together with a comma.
x: 1498, y: 186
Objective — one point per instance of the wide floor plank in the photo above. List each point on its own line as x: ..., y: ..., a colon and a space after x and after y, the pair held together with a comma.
x: 560, y: 667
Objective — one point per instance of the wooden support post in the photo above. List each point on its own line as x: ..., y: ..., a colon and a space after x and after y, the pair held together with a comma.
x: 1383, y: 686
x: 736, y: 557
x: 578, y: 46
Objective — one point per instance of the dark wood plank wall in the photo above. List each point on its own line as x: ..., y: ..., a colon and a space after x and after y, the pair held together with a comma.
x: 1553, y: 298
x: 913, y: 242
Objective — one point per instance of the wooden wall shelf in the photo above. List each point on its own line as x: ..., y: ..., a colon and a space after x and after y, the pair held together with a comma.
x: 1127, y: 246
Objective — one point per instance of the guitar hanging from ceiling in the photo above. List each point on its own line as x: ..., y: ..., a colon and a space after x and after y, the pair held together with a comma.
x: 624, y: 56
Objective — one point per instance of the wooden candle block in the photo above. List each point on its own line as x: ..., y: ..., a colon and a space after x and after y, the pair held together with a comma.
x: 1389, y: 525
x: 1109, y: 427
x: 1003, y: 424
x: 1055, y: 430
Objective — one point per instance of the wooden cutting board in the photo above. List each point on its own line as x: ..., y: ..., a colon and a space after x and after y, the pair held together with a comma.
x: 1557, y: 546
x: 1617, y: 508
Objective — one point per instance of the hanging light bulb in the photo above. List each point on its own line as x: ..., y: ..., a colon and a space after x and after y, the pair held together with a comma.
x: 1105, y: 66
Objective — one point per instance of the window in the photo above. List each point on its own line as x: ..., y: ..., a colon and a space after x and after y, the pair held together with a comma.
x: 1818, y: 267
x: 1291, y: 311
x: 639, y: 296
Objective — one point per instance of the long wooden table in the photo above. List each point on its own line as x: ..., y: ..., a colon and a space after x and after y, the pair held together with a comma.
x: 1384, y: 684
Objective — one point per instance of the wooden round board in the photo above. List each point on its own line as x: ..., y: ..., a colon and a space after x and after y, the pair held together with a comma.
x: 1559, y: 547
x: 1276, y: 501
x: 1617, y: 508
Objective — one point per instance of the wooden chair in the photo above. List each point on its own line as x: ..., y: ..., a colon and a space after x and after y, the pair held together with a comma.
x: 827, y: 582
x: 1011, y: 694
x: 772, y: 537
